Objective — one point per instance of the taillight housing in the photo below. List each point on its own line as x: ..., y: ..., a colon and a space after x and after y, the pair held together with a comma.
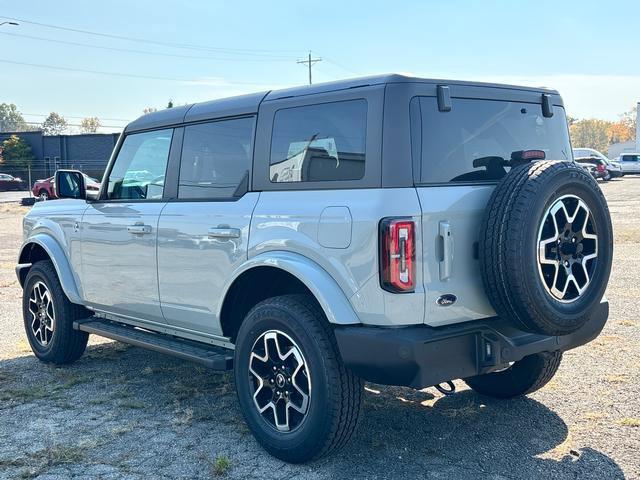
x: 397, y: 255
x: 600, y: 167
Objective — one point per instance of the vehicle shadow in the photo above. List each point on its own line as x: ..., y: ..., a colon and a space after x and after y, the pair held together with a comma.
x: 124, y: 411
x: 466, y: 435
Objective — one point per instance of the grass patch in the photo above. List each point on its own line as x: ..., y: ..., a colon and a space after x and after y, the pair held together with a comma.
x: 23, y: 395
x: 629, y: 422
x: 220, y: 465
x: 132, y: 404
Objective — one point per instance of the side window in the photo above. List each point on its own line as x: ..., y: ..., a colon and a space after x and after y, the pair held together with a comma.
x: 139, y: 170
x: 318, y: 143
x: 216, y: 159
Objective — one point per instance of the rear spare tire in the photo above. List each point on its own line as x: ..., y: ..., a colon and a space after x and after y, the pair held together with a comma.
x: 546, y: 245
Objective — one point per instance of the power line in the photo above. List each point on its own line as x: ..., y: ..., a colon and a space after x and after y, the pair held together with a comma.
x: 118, y: 74
x: 189, y: 46
x: 310, y: 62
x: 80, y: 117
x: 146, y: 52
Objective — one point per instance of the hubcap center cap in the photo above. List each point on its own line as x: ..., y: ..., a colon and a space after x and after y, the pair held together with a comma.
x: 280, y: 380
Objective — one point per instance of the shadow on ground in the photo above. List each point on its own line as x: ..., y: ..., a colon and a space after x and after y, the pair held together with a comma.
x: 123, y: 411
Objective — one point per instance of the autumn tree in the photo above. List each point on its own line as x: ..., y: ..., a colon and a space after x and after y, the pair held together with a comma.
x: 90, y: 125
x: 11, y: 120
x: 54, y: 124
x: 590, y: 133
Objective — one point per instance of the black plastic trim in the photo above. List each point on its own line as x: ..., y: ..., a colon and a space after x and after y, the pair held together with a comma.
x: 421, y: 356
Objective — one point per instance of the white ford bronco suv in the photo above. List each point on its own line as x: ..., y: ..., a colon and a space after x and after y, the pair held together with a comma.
x: 388, y: 229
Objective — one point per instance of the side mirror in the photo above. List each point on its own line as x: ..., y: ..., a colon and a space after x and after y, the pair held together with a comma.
x: 69, y: 184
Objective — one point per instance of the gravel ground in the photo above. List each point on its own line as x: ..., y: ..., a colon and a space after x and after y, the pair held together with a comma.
x: 122, y: 412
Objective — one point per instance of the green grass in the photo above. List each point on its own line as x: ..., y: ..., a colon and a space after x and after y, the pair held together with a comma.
x: 221, y: 465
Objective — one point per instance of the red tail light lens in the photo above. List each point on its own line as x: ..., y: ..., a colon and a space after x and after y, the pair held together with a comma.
x: 397, y: 255
x: 600, y: 168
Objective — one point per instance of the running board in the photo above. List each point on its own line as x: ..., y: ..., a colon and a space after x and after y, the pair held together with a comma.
x: 216, y: 358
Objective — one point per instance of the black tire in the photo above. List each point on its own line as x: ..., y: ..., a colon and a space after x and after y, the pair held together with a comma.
x: 523, y: 377
x: 334, y: 401
x: 43, y: 194
x: 65, y: 345
x: 508, y: 247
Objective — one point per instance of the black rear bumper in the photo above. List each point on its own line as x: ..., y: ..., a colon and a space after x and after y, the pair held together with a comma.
x: 422, y: 356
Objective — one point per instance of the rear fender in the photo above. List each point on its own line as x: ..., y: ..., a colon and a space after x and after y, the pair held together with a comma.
x: 327, y: 292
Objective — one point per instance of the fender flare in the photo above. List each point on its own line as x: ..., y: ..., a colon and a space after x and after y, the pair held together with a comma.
x: 60, y: 263
x: 325, y: 289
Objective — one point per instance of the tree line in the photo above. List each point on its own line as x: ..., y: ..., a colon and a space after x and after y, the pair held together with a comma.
x: 600, y: 134
x: 11, y: 120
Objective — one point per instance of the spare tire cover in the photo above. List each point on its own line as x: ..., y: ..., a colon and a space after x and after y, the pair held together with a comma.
x: 546, y: 245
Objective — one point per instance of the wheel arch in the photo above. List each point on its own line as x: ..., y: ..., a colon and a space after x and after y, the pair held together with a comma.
x: 281, y: 273
x: 44, y: 247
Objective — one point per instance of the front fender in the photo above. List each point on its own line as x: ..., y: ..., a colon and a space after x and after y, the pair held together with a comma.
x: 327, y: 292
x: 58, y: 258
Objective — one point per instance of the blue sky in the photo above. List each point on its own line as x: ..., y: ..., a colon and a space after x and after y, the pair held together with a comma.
x: 588, y: 50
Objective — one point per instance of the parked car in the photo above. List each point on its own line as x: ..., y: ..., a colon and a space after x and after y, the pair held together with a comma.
x: 9, y: 182
x: 599, y: 167
x: 630, y: 163
x: 613, y: 167
x: 44, y: 189
x: 305, y: 239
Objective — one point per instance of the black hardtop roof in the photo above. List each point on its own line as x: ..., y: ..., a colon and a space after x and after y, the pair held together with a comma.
x: 248, y: 104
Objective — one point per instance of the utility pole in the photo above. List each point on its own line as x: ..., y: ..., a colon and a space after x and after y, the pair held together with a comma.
x: 310, y: 62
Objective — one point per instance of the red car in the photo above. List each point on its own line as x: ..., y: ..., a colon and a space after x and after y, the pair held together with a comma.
x: 9, y: 182
x: 45, y: 191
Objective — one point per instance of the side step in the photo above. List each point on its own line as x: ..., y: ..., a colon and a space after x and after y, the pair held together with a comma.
x: 216, y: 358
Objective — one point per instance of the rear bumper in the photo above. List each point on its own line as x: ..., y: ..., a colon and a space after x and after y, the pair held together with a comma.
x: 422, y: 356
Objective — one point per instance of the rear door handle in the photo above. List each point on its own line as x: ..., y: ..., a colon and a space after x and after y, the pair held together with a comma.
x: 224, y: 232
x: 139, y: 229
x: 444, y: 232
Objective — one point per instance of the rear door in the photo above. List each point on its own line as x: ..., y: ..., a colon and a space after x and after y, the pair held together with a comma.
x: 204, y: 232
x: 459, y: 156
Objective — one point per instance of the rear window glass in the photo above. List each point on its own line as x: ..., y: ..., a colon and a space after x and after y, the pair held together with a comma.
x: 318, y: 143
x: 630, y: 158
x: 473, y: 141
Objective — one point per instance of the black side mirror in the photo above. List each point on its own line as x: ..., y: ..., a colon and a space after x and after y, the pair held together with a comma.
x: 70, y: 184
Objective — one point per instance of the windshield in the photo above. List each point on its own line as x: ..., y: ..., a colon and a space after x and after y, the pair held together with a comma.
x: 476, y: 140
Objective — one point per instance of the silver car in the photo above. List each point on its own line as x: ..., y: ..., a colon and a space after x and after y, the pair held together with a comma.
x: 390, y: 229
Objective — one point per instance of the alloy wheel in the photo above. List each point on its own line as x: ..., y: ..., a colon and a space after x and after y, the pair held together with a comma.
x: 567, y: 248
x: 280, y: 380
x: 43, y: 315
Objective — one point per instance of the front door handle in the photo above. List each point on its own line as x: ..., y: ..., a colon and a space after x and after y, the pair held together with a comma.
x: 224, y: 232
x: 139, y: 229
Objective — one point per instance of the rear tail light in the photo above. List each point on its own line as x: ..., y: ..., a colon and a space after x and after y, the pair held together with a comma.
x: 600, y: 168
x: 397, y: 255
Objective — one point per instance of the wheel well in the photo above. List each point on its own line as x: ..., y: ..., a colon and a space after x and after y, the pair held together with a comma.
x: 31, y: 253
x: 250, y: 288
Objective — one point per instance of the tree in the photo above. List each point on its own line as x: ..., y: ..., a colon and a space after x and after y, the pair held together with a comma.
x: 170, y: 104
x: 590, y: 133
x: 629, y: 120
x: 11, y: 120
x: 54, y: 124
x: 149, y: 110
x: 16, y: 153
x: 90, y: 125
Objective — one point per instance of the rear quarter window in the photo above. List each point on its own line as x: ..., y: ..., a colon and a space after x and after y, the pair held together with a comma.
x: 472, y: 142
x: 319, y: 143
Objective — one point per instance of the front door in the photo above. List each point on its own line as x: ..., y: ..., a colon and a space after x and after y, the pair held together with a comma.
x: 119, y: 232
x: 203, y: 235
